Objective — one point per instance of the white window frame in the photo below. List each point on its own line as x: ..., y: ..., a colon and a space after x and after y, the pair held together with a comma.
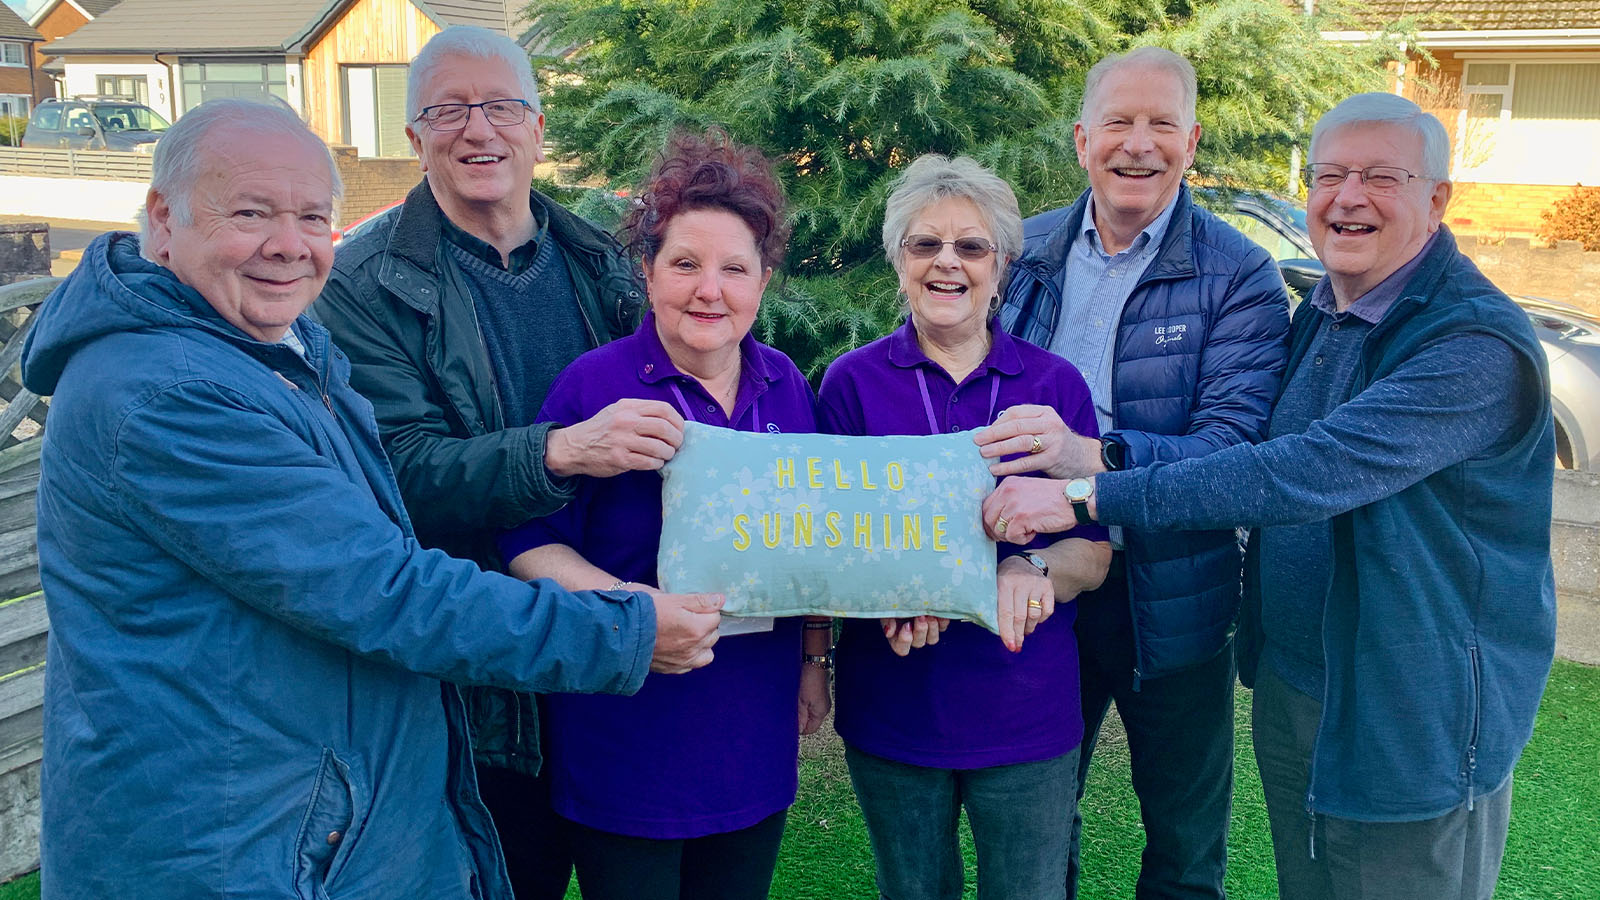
x: 21, y: 102
x: 1506, y: 90
x: 22, y: 54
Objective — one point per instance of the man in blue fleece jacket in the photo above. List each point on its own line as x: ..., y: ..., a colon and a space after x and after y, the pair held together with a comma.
x: 1399, y: 619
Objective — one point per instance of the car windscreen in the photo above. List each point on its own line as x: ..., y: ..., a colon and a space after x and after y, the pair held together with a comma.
x: 129, y: 118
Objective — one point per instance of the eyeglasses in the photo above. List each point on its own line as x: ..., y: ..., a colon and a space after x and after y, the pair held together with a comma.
x: 923, y: 246
x: 453, y: 116
x: 1376, y: 179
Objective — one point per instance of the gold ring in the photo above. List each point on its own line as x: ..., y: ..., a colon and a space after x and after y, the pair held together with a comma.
x: 1000, y: 524
x: 1035, y: 604
x: 1038, y: 446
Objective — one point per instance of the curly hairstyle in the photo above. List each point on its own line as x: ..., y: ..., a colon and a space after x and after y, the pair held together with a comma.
x: 709, y: 171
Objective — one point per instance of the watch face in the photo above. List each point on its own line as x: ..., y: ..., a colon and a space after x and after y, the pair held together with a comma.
x: 1079, y: 489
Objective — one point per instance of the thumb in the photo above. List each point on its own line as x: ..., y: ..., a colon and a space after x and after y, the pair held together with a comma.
x: 704, y: 603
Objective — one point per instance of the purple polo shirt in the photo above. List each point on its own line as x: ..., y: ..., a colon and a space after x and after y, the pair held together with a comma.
x: 712, y: 750
x: 966, y: 702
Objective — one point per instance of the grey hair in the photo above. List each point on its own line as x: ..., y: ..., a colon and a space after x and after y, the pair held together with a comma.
x: 473, y: 42
x: 1381, y: 108
x: 1144, y: 57
x: 933, y: 177
x: 180, y: 156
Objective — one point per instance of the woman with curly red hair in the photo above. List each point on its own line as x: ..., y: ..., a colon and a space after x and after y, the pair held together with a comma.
x: 681, y: 790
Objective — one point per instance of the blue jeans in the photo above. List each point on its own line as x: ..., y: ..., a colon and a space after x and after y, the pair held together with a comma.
x: 1021, y: 818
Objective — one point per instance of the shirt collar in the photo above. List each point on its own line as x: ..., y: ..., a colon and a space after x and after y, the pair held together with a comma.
x: 1371, y: 306
x: 1149, y: 236
x: 905, y: 352
x: 656, y: 366
x: 521, y: 258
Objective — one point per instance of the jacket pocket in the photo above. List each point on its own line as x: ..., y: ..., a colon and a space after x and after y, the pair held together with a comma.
x: 323, y: 843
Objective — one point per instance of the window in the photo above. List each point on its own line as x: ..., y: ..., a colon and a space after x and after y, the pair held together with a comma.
x: 128, y: 87
x: 375, y: 109
x: 1517, y: 115
x: 14, y: 105
x: 78, y: 117
x: 11, y: 54
x: 48, y: 119
x: 128, y: 117
x: 235, y: 78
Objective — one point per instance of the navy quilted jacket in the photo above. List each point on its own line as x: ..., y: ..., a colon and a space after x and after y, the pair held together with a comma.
x: 1204, y: 381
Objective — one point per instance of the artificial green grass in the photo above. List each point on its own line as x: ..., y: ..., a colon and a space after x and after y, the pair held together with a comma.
x: 1552, y: 853
x: 24, y: 888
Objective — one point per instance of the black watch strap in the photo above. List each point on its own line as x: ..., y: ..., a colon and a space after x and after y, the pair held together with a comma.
x: 1080, y: 509
x: 1112, y: 455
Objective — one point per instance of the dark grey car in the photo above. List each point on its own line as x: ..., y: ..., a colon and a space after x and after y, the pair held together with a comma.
x: 1570, y: 336
x: 87, y: 123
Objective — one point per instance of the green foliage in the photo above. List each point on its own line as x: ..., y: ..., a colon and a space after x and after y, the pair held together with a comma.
x: 12, y: 129
x: 843, y: 93
x: 1575, y: 217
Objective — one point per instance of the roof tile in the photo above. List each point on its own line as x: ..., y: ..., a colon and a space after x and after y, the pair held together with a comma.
x: 1489, y: 15
x: 259, y: 26
x: 12, y: 26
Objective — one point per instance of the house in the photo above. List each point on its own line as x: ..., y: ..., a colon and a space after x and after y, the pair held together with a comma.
x: 21, y: 85
x: 59, y: 18
x: 1518, y: 84
x: 340, y: 63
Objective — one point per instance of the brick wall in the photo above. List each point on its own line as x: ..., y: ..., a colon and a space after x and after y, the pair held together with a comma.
x: 1501, y: 210
x: 372, y: 184
x: 1565, y: 272
x: 15, y: 80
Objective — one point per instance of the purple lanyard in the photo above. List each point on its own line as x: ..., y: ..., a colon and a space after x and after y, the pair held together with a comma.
x: 688, y: 411
x: 927, y: 401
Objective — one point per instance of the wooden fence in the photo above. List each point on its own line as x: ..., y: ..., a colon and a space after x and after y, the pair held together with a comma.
x: 23, y: 623
x: 112, y: 165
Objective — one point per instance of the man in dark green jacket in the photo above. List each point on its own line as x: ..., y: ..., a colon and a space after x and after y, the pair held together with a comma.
x: 458, y: 310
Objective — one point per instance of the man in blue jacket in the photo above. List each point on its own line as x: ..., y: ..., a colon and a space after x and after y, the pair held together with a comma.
x: 1177, y: 322
x: 1400, y: 614
x: 246, y: 689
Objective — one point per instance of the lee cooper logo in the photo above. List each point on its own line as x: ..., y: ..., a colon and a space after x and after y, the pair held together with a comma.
x: 1170, y: 334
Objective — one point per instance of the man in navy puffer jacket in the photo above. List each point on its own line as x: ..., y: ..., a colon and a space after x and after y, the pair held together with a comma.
x: 1399, y: 615
x: 1179, y: 324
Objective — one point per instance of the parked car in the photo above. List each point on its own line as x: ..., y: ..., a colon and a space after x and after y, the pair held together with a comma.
x: 94, y: 123
x: 361, y: 224
x: 1569, y: 335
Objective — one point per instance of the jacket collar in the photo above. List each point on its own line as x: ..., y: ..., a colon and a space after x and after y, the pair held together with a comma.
x: 1174, y: 258
x: 411, y: 267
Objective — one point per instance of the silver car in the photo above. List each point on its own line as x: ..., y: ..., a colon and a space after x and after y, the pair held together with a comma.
x: 1570, y: 336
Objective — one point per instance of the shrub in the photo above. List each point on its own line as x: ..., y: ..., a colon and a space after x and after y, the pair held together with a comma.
x: 11, y: 130
x: 1575, y: 217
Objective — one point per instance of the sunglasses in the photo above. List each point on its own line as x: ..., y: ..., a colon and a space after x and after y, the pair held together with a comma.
x: 924, y: 246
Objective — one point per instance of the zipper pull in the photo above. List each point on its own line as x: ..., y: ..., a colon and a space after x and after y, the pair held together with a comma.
x: 1311, y: 833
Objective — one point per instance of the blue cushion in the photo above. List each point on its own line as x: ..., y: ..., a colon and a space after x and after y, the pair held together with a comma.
x: 864, y: 527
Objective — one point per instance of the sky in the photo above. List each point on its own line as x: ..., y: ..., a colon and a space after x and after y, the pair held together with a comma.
x: 24, y: 7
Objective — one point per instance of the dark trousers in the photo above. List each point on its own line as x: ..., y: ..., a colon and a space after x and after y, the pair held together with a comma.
x: 733, y: 865
x: 1180, y: 744
x: 1453, y: 857
x: 533, y: 838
